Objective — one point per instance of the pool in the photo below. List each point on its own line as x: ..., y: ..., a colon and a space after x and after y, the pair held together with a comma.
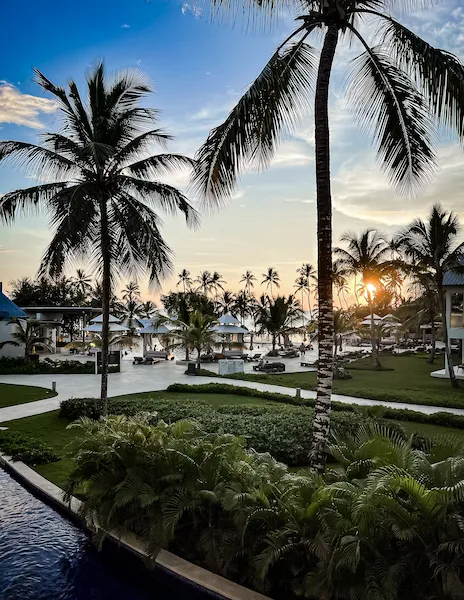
x: 44, y: 556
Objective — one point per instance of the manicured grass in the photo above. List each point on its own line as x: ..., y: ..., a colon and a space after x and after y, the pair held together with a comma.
x: 409, y: 381
x: 11, y: 395
x: 214, y: 399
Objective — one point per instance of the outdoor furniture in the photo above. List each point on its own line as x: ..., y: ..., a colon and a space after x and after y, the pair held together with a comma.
x: 255, y: 357
x: 157, y: 354
x: 307, y: 364
x: 289, y: 354
x: 269, y: 367
x: 139, y: 360
x: 233, y: 354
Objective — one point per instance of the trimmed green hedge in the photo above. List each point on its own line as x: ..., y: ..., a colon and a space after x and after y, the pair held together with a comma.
x: 26, y: 448
x: 397, y: 414
x: 283, y: 431
x: 23, y: 366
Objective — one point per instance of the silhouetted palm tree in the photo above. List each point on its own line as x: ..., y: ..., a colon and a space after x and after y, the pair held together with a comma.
x: 398, y: 89
x: 226, y: 302
x: 309, y: 273
x: 103, y: 184
x: 146, y: 309
x: 216, y: 283
x: 242, y: 306
x: 205, y: 282
x: 248, y: 279
x: 131, y: 292
x: 82, y: 282
x: 275, y: 316
x: 431, y: 246
x: 185, y: 280
x: 271, y: 277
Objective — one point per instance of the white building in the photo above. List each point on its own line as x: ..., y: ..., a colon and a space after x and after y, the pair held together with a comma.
x: 9, y: 310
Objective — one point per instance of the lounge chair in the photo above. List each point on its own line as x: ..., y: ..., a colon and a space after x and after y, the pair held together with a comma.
x: 255, y: 357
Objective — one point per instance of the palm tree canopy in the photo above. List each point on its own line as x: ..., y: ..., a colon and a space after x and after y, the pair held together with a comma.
x: 432, y: 245
x: 275, y: 315
x: 365, y: 255
x: 399, y: 88
x: 184, y: 278
x: 248, y: 279
x: 271, y: 277
x: 99, y: 165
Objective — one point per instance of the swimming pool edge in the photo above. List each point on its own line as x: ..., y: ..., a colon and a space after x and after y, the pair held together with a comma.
x: 216, y: 585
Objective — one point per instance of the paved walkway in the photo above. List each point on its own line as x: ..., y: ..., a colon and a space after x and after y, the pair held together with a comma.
x: 143, y: 378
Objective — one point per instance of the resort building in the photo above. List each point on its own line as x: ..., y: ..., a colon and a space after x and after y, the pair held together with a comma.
x: 9, y: 310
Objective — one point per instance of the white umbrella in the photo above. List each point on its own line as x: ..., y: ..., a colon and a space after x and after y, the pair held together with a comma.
x: 228, y: 320
x: 151, y: 329
x: 97, y: 327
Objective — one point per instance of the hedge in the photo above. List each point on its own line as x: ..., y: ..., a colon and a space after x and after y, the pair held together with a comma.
x: 26, y: 448
x: 283, y: 431
x: 23, y: 366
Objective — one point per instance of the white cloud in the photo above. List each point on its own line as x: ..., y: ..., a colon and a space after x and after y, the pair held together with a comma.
x: 125, y: 26
x: 22, y: 109
x: 192, y: 8
x: 293, y: 153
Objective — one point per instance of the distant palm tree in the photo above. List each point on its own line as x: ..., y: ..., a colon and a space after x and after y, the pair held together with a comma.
x: 241, y: 305
x: 393, y: 281
x: 426, y: 307
x: 398, y: 89
x: 205, y: 282
x: 197, y: 333
x: 103, y: 184
x: 248, y: 279
x: 226, y: 302
x: 301, y: 285
x: 343, y: 323
x: 82, y: 282
x: 185, y: 280
x: 271, y: 277
x: 146, y: 309
x: 131, y: 292
x: 431, y: 246
x: 309, y: 273
x: 216, y: 283
x: 340, y: 281
x: 275, y: 316
x: 27, y: 336
x: 366, y: 257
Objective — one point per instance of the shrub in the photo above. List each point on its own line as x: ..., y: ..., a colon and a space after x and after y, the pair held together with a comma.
x: 23, y: 366
x: 26, y: 448
x: 283, y: 431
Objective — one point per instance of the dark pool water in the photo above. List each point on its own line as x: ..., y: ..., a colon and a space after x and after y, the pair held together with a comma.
x: 45, y: 556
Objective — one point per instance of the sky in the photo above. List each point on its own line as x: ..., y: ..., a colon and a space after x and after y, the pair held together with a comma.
x: 199, y: 70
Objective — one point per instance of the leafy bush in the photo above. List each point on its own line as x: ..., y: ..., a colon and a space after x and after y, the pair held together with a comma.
x: 23, y: 366
x: 26, y: 448
x: 375, y: 528
x: 283, y: 431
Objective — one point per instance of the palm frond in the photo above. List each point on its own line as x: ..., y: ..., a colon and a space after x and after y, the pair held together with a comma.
x: 37, y: 160
x: 28, y: 200
x: 270, y: 108
x: 396, y: 113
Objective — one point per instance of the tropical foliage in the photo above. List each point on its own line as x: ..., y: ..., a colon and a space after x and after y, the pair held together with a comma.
x: 387, y: 524
x: 26, y: 334
x: 277, y: 316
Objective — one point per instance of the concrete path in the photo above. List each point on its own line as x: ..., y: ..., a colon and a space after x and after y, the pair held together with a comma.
x: 144, y: 378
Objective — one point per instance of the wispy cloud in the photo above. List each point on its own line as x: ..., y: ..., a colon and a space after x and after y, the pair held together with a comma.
x: 125, y: 26
x: 191, y: 7
x: 22, y: 109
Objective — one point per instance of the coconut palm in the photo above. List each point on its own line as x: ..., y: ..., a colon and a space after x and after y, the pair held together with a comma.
x: 82, y: 282
x: 146, y: 309
x: 226, y: 302
x: 301, y: 286
x: 241, y: 305
x: 343, y: 323
x: 103, y: 187
x: 131, y: 293
x: 398, y: 88
x: 27, y: 335
x: 205, y: 282
x: 366, y: 257
x: 340, y: 282
x: 426, y: 306
x: 197, y: 333
x: 248, y: 279
x: 270, y: 278
x: 431, y: 246
x: 216, y: 283
x: 275, y: 316
x: 309, y: 273
x: 185, y: 280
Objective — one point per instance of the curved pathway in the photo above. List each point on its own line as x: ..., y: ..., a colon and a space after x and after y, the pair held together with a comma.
x: 143, y: 378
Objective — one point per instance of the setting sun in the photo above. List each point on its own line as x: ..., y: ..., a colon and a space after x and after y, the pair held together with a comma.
x: 370, y: 290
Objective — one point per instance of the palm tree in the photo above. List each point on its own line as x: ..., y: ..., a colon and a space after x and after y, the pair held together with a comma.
x: 275, y: 316
x: 426, y: 306
x: 248, y: 279
x: 226, y: 302
x: 205, y: 282
x: 131, y: 292
x: 309, y: 273
x: 185, y: 280
x: 343, y: 322
x: 301, y: 285
x: 82, y: 282
x: 271, y: 277
x: 241, y: 305
x: 340, y: 282
x: 431, y: 246
x: 26, y: 335
x: 197, y: 333
x: 103, y: 184
x: 365, y: 257
x: 146, y: 309
x: 399, y: 89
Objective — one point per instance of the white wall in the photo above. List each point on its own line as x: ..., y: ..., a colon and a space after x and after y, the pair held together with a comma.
x: 6, y: 329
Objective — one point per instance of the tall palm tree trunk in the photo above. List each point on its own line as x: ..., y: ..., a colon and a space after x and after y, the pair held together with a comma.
x: 449, y: 360
x: 106, y: 293
x: 321, y: 423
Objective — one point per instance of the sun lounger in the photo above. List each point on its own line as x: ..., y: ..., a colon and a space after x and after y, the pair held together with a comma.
x: 255, y: 357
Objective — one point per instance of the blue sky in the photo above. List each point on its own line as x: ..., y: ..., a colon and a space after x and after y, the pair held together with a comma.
x: 199, y: 70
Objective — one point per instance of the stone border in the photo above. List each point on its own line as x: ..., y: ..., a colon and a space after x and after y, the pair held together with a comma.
x: 217, y: 586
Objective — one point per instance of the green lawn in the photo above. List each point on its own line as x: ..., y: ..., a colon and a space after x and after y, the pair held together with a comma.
x: 19, y: 394
x: 409, y: 381
x: 51, y: 429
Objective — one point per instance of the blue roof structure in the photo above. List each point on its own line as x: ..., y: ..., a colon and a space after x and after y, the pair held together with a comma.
x: 451, y: 277
x: 9, y: 310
